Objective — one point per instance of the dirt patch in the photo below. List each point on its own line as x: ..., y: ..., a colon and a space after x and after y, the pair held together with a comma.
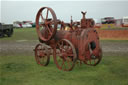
x: 113, y: 34
x: 26, y: 47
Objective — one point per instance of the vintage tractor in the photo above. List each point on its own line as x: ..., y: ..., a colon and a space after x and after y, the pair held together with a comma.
x: 79, y: 43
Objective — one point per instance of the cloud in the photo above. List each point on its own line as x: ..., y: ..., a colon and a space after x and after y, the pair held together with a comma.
x: 27, y: 10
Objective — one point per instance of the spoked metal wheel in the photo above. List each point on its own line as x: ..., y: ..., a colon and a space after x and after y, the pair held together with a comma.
x: 93, y: 50
x: 46, y: 23
x: 94, y: 60
x: 41, y: 55
x: 65, y: 55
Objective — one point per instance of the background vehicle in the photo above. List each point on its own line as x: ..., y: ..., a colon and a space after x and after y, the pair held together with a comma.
x: 108, y: 20
x: 6, y: 29
x: 26, y: 25
x: 125, y: 21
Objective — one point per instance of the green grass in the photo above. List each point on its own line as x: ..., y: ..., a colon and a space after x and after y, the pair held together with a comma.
x: 21, y: 69
x: 22, y: 34
x: 114, y: 28
x: 117, y: 41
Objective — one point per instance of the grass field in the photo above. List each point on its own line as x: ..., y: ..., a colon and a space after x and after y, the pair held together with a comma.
x: 21, y: 69
x: 22, y: 34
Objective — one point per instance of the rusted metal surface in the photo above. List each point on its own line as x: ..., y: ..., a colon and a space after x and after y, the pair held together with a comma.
x: 79, y: 43
x: 42, y: 55
x: 49, y: 30
x: 65, y: 55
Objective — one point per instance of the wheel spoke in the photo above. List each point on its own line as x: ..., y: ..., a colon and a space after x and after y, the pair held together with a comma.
x: 42, y: 25
x: 42, y: 17
x: 62, y: 63
x: 40, y: 56
x: 49, y: 22
x: 47, y: 14
x: 67, y: 63
x: 60, y: 47
x: 50, y: 32
x: 62, y: 44
x: 69, y: 48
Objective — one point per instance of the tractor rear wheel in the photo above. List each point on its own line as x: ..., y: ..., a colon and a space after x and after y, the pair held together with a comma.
x: 65, y: 55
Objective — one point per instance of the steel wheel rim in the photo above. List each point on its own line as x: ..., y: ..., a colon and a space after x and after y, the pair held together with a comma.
x: 66, y: 62
x: 94, y: 56
x: 39, y: 56
x: 50, y: 30
x: 95, y: 61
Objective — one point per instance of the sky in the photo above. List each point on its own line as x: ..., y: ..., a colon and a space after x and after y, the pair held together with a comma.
x: 19, y: 10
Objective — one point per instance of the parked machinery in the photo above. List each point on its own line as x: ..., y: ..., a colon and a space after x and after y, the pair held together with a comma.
x: 6, y: 29
x: 79, y: 43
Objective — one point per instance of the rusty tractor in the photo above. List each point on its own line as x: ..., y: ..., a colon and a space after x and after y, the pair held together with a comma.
x: 68, y: 43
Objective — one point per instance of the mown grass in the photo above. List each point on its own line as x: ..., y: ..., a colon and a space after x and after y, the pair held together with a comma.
x: 31, y: 34
x: 21, y: 69
x: 110, y: 40
x: 114, y: 28
x: 22, y: 34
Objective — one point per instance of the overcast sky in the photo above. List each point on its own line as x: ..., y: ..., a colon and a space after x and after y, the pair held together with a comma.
x: 26, y: 10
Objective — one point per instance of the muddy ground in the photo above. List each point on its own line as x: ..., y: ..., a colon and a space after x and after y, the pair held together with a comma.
x: 24, y: 47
